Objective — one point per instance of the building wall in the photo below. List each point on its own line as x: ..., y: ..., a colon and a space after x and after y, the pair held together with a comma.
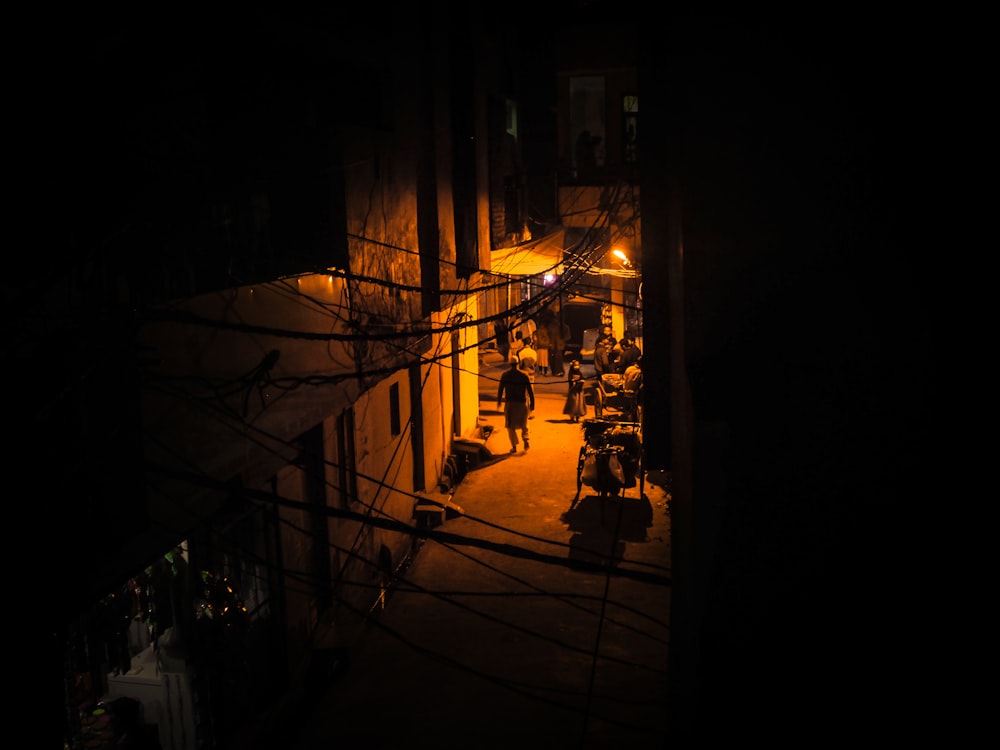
x: 296, y: 532
x: 605, y: 52
x: 384, y: 493
x: 239, y: 377
x: 218, y: 401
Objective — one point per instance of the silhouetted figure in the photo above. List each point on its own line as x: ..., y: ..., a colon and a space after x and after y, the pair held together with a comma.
x: 586, y: 154
x: 628, y: 355
x: 516, y: 344
x: 518, y: 397
x: 604, y: 361
x: 503, y: 337
x: 542, y: 341
x: 576, y: 404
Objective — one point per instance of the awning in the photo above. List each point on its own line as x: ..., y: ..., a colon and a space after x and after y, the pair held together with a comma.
x: 543, y: 255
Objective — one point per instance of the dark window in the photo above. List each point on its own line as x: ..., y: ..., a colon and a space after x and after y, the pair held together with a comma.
x: 345, y: 458
x: 587, y: 120
x: 630, y: 128
x: 511, y: 204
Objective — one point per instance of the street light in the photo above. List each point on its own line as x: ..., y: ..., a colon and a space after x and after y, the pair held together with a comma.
x: 633, y: 324
x: 622, y: 257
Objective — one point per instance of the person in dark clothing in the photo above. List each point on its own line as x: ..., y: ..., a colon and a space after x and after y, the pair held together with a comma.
x: 603, y: 356
x: 629, y: 354
x: 518, y: 397
x: 576, y: 404
x: 503, y: 337
x: 606, y: 335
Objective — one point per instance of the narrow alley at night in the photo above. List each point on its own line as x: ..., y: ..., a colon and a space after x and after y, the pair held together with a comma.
x: 289, y: 257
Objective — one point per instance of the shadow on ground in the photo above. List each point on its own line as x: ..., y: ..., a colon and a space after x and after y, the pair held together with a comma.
x: 602, y: 526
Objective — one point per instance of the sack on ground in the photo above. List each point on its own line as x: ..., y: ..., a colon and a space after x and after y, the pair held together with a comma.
x: 615, y: 468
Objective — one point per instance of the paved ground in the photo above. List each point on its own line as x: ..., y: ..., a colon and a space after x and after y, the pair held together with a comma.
x: 525, y: 623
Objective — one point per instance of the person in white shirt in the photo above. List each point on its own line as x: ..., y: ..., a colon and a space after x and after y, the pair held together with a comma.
x: 516, y: 344
x: 527, y: 359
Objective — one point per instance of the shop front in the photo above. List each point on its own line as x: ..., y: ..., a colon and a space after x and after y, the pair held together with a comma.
x: 180, y: 653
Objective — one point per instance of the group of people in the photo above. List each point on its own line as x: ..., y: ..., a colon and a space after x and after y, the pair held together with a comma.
x: 526, y: 355
x: 611, y: 357
x: 542, y: 343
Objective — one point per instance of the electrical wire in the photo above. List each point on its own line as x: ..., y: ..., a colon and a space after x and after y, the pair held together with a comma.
x: 260, y: 375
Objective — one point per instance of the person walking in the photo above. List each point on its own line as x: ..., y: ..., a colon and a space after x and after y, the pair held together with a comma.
x: 518, y: 398
x: 542, y: 341
x: 576, y: 404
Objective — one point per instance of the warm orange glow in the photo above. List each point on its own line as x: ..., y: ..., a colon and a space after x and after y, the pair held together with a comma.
x: 622, y: 258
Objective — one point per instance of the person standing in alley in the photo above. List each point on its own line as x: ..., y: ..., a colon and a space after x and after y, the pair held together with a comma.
x: 603, y: 359
x: 542, y: 342
x: 606, y: 336
x: 502, y: 337
x: 518, y: 399
x: 527, y: 359
x: 559, y: 336
x: 576, y: 404
x: 629, y: 354
x: 515, y: 346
